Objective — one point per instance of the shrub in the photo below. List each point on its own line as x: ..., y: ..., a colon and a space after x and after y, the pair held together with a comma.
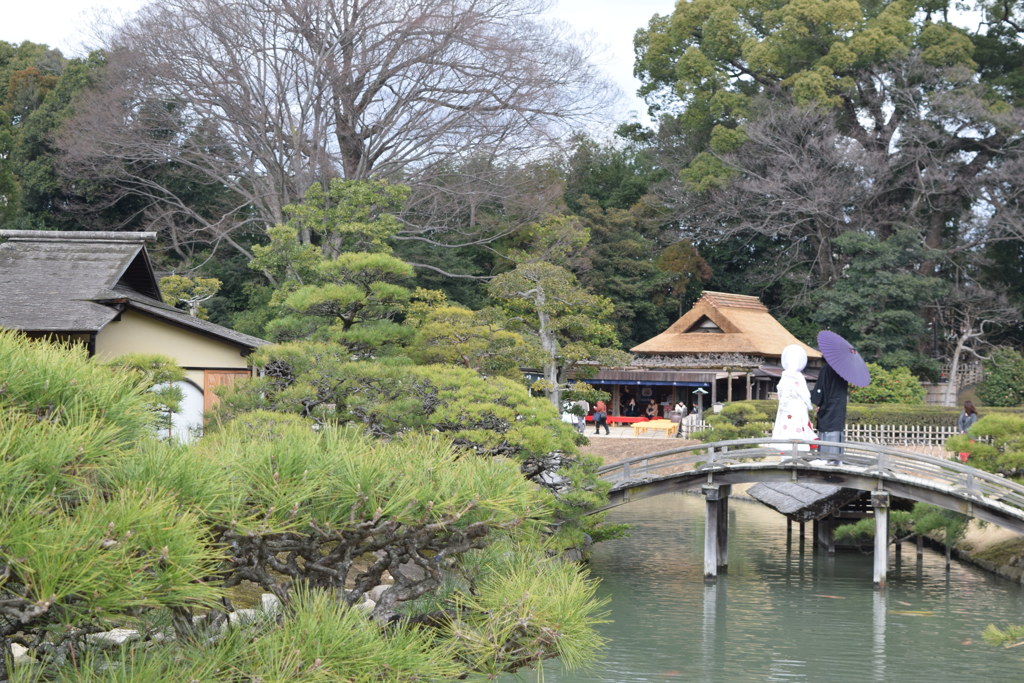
x: 739, y: 420
x: 898, y: 385
x: 101, y: 525
x: 995, y: 444
x: 1004, y: 378
x: 489, y: 417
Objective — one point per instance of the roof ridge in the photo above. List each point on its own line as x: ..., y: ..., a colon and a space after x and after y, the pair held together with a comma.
x: 77, y: 236
x: 729, y: 300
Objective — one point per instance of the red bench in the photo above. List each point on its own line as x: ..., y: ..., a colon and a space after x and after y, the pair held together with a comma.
x: 619, y: 419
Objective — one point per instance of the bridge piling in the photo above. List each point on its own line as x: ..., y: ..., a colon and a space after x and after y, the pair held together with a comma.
x: 716, y: 529
x: 825, y: 534
x: 880, y: 502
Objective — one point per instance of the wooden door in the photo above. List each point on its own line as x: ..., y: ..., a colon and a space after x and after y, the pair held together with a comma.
x: 217, y: 378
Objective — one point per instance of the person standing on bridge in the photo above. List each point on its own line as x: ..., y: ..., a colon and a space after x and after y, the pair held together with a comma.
x: 830, y: 395
x: 792, y: 420
x: 843, y: 366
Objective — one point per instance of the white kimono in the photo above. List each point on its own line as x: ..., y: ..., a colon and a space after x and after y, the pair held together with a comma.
x: 792, y: 421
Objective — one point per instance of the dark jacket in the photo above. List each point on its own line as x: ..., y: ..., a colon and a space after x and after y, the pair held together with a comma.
x: 830, y: 393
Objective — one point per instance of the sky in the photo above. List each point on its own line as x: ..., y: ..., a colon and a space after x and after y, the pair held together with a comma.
x: 608, y: 25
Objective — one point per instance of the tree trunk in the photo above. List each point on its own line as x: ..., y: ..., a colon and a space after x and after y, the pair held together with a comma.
x: 550, y: 346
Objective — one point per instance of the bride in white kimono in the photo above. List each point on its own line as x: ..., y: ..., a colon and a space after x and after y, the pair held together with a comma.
x: 792, y: 421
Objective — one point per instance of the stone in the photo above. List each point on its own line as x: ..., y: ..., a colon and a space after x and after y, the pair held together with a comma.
x: 412, y: 572
x: 366, y: 606
x: 242, y: 616
x: 20, y: 655
x: 270, y: 603
x: 377, y: 591
x: 113, y: 638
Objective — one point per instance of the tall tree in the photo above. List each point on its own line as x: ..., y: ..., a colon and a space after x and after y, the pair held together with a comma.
x: 293, y: 92
x: 811, y: 120
x: 570, y: 328
x: 38, y: 90
x: 338, y: 281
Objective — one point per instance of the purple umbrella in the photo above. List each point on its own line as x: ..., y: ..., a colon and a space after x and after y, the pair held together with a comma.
x: 843, y: 358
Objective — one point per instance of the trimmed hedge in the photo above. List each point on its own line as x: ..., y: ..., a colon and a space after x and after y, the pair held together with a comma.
x: 899, y: 414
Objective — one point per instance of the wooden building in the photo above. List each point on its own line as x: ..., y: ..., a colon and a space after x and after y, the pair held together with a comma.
x: 99, y: 289
x: 727, y: 345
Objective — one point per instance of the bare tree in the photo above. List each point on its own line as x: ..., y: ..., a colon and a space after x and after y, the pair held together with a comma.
x: 970, y: 316
x: 925, y: 150
x: 261, y: 98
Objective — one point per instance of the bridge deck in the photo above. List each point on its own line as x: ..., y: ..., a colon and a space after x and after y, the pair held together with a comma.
x: 867, y: 467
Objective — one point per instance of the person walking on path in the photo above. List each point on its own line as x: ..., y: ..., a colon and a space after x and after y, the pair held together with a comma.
x: 581, y: 418
x: 967, y: 418
x: 601, y: 417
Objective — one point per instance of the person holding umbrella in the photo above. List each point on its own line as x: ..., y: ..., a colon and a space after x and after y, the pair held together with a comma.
x: 843, y: 366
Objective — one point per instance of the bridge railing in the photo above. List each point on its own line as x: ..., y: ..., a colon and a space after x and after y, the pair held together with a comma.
x: 860, y: 458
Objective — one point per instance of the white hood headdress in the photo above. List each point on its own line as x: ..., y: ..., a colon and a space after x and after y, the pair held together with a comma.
x: 794, y: 358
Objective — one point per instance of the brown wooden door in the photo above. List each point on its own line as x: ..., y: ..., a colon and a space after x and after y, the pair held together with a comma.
x: 217, y: 378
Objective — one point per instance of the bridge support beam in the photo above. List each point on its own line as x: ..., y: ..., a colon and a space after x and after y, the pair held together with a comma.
x: 825, y: 532
x: 880, y: 502
x: 716, y: 529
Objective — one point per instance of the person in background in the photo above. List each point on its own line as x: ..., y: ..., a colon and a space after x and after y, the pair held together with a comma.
x: 651, y: 411
x: 581, y: 418
x: 830, y: 395
x: 631, y: 408
x: 967, y: 418
x: 600, y: 417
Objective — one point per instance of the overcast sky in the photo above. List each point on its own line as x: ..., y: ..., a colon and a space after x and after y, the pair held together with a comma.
x: 65, y: 24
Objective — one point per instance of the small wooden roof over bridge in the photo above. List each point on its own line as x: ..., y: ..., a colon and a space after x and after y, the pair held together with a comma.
x: 802, y: 501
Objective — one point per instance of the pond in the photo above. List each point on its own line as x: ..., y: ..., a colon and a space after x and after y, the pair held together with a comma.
x: 785, y: 615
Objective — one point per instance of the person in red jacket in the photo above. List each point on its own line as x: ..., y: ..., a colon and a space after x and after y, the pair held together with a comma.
x: 600, y: 417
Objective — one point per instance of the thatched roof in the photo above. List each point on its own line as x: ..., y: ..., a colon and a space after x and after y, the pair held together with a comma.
x: 77, y: 282
x: 724, y: 323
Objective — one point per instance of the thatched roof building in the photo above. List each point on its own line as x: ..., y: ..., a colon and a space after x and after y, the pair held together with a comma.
x: 727, y: 346
x: 735, y: 328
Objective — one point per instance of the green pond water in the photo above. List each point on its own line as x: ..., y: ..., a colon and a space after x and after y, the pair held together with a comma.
x: 785, y: 615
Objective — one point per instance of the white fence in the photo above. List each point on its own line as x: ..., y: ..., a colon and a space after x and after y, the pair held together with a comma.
x: 900, y: 435
x: 923, y: 439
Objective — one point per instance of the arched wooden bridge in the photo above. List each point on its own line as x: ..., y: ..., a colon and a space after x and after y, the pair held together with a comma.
x: 713, y: 468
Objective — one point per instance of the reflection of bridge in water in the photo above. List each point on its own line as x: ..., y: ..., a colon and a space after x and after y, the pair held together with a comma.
x: 883, y: 472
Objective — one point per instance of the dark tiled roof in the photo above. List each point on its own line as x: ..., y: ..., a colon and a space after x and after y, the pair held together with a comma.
x: 69, y: 281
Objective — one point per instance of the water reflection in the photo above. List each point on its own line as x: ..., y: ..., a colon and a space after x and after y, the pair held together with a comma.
x: 782, y: 614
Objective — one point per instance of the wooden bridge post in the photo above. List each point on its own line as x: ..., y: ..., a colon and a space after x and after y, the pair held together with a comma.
x: 880, y: 503
x: 825, y: 530
x: 716, y: 528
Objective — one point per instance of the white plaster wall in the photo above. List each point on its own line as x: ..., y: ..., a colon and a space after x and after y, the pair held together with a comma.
x: 139, y: 333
